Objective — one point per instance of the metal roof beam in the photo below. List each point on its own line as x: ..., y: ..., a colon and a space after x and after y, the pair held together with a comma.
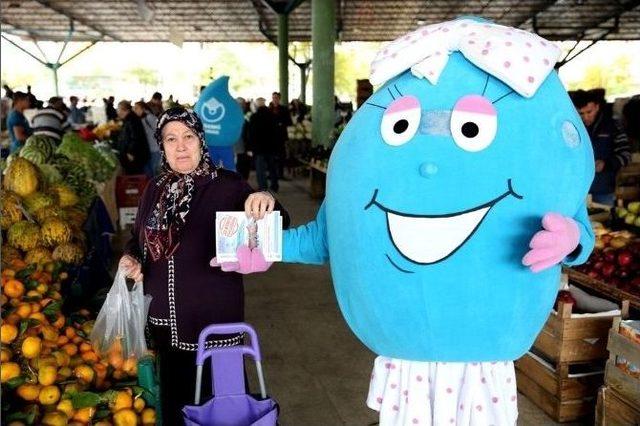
x: 69, y: 15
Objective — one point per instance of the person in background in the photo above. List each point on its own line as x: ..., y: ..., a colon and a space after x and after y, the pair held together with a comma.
x: 631, y: 121
x: 610, y: 143
x: 132, y: 141
x: 243, y: 160
x: 109, y: 109
x: 149, y: 123
x: 155, y: 104
x: 172, y: 242
x: 33, y: 101
x: 52, y: 120
x: 283, y: 120
x: 76, y: 115
x: 5, y: 106
x: 264, y: 145
x: 17, y: 124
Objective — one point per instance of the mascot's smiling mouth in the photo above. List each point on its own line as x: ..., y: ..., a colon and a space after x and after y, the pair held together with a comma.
x: 429, y: 239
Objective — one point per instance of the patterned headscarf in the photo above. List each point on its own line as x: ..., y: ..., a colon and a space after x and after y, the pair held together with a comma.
x: 164, y: 226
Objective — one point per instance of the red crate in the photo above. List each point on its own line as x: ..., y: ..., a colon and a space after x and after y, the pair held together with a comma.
x: 129, y: 189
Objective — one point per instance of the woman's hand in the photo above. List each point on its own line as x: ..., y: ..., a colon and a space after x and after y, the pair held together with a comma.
x: 131, y: 267
x: 259, y: 204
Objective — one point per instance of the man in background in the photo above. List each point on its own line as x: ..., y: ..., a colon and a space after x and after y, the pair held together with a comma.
x: 17, y: 124
x: 149, y: 123
x: 155, y: 104
x: 283, y: 120
x: 76, y: 115
x: 52, y: 120
x: 610, y: 144
x: 263, y: 145
x: 132, y: 141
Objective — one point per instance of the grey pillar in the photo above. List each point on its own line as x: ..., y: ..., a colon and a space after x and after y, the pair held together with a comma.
x: 283, y: 56
x: 323, y: 34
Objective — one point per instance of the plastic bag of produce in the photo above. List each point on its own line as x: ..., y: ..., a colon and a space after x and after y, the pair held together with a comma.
x: 118, y: 332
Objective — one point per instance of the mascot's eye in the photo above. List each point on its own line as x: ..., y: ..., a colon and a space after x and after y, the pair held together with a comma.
x: 474, y: 123
x: 401, y: 120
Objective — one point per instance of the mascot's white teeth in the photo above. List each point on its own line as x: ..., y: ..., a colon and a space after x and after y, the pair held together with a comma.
x: 428, y: 240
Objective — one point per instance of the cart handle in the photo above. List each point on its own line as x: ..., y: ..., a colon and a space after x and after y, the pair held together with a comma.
x: 231, y: 328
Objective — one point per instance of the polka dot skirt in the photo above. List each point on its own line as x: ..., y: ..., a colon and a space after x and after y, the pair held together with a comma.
x: 443, y: 393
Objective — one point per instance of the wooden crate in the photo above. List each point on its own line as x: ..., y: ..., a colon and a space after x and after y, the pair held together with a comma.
x: 603, y: 289
x: 625, y: 385
x: 562, y: 396
x: 613, y: 410
x: 568, y: 340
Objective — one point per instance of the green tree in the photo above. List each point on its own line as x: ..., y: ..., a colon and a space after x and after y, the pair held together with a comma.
x: 352, y: 62
x: 615, y: 78
x: 145, y: 76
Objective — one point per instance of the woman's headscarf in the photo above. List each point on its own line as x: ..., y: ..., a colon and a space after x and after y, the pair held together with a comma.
x: 164, y: 226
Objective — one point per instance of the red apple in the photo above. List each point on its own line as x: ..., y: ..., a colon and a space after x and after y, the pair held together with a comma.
x: 608, y: 269
x: 625, y: 258
x: 594, y: 274
x: 610, y: 256
x: 598, y: 265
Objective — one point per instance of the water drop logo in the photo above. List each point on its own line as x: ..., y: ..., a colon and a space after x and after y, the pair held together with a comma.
x: 212, y: 112
x: 221, y: 115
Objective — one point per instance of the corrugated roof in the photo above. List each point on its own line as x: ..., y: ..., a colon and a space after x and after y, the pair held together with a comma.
x: 357, y: 20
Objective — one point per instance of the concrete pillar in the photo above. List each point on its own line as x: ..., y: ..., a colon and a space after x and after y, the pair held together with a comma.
x: 283, y: 56
x: 323, y: 36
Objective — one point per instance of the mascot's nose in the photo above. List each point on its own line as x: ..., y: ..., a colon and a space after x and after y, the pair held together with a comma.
x: 428, y: 169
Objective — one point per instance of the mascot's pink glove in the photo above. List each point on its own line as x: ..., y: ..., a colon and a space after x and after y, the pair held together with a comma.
x: 249, y: 261
x: 557, y: 240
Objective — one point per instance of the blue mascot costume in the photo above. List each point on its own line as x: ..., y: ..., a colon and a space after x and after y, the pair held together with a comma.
x: 222, y: 119
x: 453, y: 197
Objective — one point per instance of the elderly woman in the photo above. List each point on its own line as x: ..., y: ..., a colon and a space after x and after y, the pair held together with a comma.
x: 173, y: 241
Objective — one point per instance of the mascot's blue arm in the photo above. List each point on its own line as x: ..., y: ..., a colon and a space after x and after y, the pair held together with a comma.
x: 307, y: 243
x: 587, y: 238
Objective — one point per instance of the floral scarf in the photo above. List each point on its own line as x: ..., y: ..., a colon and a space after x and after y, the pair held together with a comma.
x: 164, y: 226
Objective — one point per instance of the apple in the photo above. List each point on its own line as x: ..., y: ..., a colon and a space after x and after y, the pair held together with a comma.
x: 619, y: 242
x: 610, y: 256
x: 606, y: 238
x: 623, y: 273
x: 608, y: 269
x: 634, y: 207
x: 594, y: 274
x: 621, y: 212
x: 637, y: 222
x: 598, y: 265
x: 630, y: 219
x: 625, y: 258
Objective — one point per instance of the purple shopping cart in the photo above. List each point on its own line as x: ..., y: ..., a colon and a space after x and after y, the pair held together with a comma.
x: 230, y: 405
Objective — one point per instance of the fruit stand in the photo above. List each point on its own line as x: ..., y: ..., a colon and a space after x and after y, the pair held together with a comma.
x: 51, y: 374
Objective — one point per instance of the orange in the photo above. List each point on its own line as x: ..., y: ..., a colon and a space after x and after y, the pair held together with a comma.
x: 49, y: 333
x: 9, y: 370
x: 125, y: 417
x: 66, y: 407
x: 119, y: 375
x: 12, y: 319
x: 28, y: 392
x: 101, y: 370
x: 90, y: 356
x: 3, y: 298
x: 47, y: 375
x: 38, y: 316
x: 149, y: 417
x: 131, y: 366
x: 70, y: 332
x: 59, y: 322
x: 35, y: 307
x: 5, y: 355
x: 84, y: 373
x: 31, y: 347
x: 34, y: 294
x: 49, y: 395
x: 8, y: 273
x: 62, y: 340
x: 8, y: 333
x: 42, y: 288
x: 23, y: 310
x: 62, y: 358
x: 123, y: 399
x: 84, y: 415
x: 70, y: 349
x: 55, y: 418
x: 78, y: 340
x: 14, y: 288
x: 85, y: 346
x: 63, y: 374
x: 116, y: 360
x: 139, y: 404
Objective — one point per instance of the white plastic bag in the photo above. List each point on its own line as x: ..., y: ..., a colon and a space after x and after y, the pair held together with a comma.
x: 119, y: 328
